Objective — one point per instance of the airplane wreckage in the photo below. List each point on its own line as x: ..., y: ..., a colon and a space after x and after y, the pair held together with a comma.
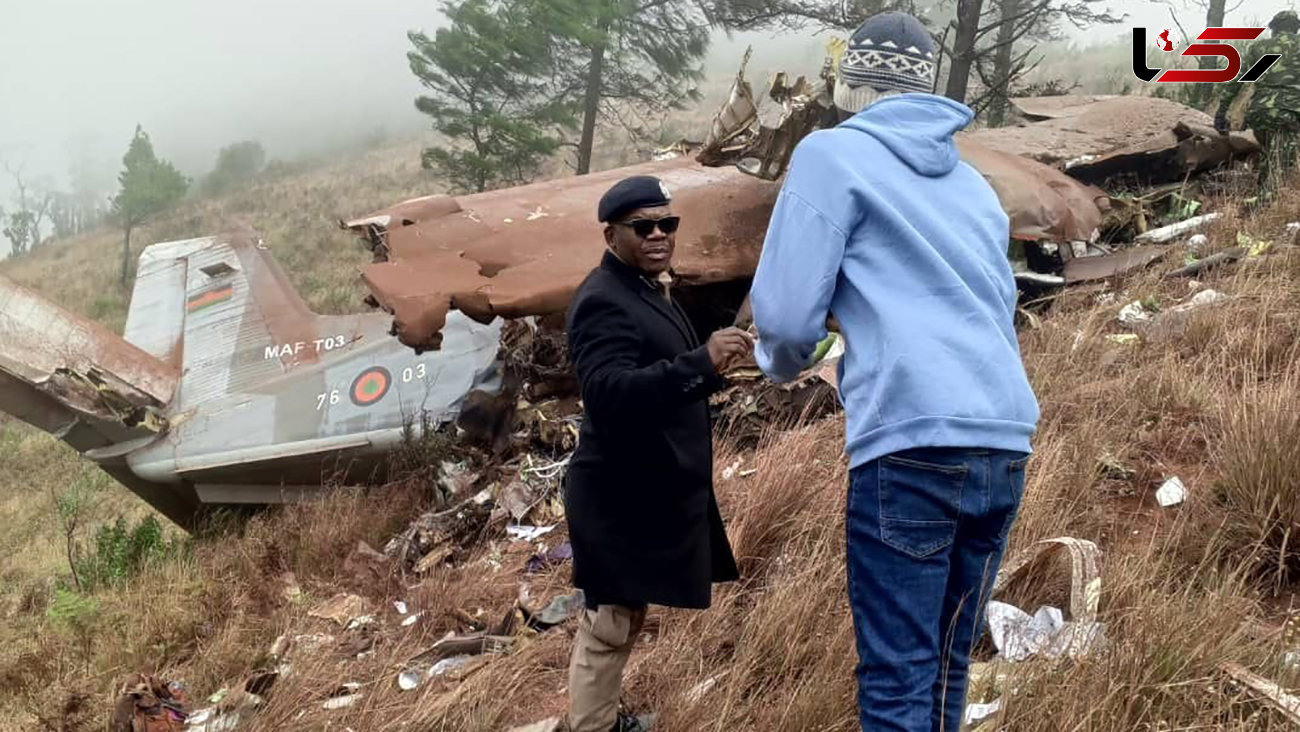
x: 225, y: 389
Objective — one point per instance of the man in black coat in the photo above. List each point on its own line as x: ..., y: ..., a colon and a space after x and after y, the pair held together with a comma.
x: 643, y: 520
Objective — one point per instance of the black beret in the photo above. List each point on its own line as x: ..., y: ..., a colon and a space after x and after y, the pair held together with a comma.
x: 639, y: 191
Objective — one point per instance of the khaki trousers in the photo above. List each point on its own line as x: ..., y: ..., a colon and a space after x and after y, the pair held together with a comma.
x: 600, y: 651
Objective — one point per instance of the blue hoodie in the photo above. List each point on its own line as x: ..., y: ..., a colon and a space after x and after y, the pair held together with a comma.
x: 880, y: 223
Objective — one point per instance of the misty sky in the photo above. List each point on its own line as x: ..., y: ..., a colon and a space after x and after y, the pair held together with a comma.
x: 77, y: 75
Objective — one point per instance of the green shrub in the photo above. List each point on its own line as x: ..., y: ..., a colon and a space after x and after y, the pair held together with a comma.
x: 120, y: 551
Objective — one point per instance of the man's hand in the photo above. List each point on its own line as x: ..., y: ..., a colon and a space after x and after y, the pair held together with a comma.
x: 728, y: 345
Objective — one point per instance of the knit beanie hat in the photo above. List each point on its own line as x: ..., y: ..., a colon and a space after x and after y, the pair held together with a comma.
x: 890, y: 53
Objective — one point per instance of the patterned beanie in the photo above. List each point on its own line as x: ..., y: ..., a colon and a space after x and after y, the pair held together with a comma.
x: 888, y: 54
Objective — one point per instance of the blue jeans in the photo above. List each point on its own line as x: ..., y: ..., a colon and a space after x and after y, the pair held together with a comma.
x: 926, y: 530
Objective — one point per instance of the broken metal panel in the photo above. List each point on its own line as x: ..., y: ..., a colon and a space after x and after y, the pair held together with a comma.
x: 1168, y: 157
x: 1088, y: 269
x: 78, y: 362
x: 524, y: 251
x: 1041, y: 202
x: 1038, y: 109
x: 1091, y: 129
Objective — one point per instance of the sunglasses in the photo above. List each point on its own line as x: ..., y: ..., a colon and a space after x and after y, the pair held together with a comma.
x: 644, y: 227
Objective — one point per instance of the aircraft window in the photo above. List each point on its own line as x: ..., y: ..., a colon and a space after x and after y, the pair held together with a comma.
x: 220, y: 269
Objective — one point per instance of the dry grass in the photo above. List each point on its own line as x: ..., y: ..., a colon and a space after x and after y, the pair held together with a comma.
x: 1211, y: 401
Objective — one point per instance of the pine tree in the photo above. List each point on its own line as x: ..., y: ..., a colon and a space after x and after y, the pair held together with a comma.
x: 490, y: 93
x: 149, y: 186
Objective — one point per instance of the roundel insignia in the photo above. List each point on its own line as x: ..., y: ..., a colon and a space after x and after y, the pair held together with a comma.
x: 370, y: 386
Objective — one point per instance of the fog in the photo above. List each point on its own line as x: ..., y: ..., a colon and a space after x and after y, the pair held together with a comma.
x: 300, y: 77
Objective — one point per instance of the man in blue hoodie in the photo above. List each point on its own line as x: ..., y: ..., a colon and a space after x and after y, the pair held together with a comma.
x: 880, y: 224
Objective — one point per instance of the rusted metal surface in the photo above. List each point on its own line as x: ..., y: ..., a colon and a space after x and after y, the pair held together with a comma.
x: 1091, y: 128
x: 1037, y: 109
x: 1170, y: 156
x: 75, y: 360
x: 1042, y: 202
x: 524, y: 251
x: 1087, y: 269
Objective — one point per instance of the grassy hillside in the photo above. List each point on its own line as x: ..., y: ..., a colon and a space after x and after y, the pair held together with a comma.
x: 1209, y: 398
x: 1184, y: 589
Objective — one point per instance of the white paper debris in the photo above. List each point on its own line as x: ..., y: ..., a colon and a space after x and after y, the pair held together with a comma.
x: 528, y: 533
x: 450, y: 664
x: 412, y: 620
x: 364, y: 621
x: 729, y: 472
x: 1018, y: 635
x: 1133, y: 313
x: 1172, y: 493
x: 408, y: 680
x: 976, y: 713
x: 400, y: 607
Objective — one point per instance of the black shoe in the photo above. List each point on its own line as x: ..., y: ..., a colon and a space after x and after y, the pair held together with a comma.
x: 628, y: 723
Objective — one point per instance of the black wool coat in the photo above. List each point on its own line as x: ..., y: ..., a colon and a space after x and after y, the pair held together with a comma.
x: 638, y: 496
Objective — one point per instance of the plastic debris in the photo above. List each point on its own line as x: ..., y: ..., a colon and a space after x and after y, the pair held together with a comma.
x: 1172, y: 493
x: 447, y: 665
x: 412, y: 620
x: 1133, y: 313
x: 1254, y: 247
x: 400, y: 607
x: 342, y: 609
x: 976, y: 713
x: 1124, y: 339
x: 552, y: 558
x: 528, y: 533
x: 209, y: 719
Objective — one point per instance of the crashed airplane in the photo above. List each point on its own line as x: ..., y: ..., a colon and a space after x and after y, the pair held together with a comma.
x: 225, y: 389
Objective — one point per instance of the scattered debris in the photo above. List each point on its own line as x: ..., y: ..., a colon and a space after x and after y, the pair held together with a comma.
x: 400, y: 607
x: 146, y: 702
x: 1109, y: 466
x: 528, y: 533
x: 553, y: 557
x: 1134, y: 313
x: 1100, y: 267
x: 343, y: 697
x: 1198, y: 242
x: 343, y: 608
x: 559, y: 611
x: 1019, y: 636
x: 409, y: 680
x: 412, y: 620
x: 361, y: 622
x: 292, y: 590
x: 977, y: 713
x: 701, y: 689
x: 1171, y: 493
x: 1123, y: 339
x: 1278, y: 698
